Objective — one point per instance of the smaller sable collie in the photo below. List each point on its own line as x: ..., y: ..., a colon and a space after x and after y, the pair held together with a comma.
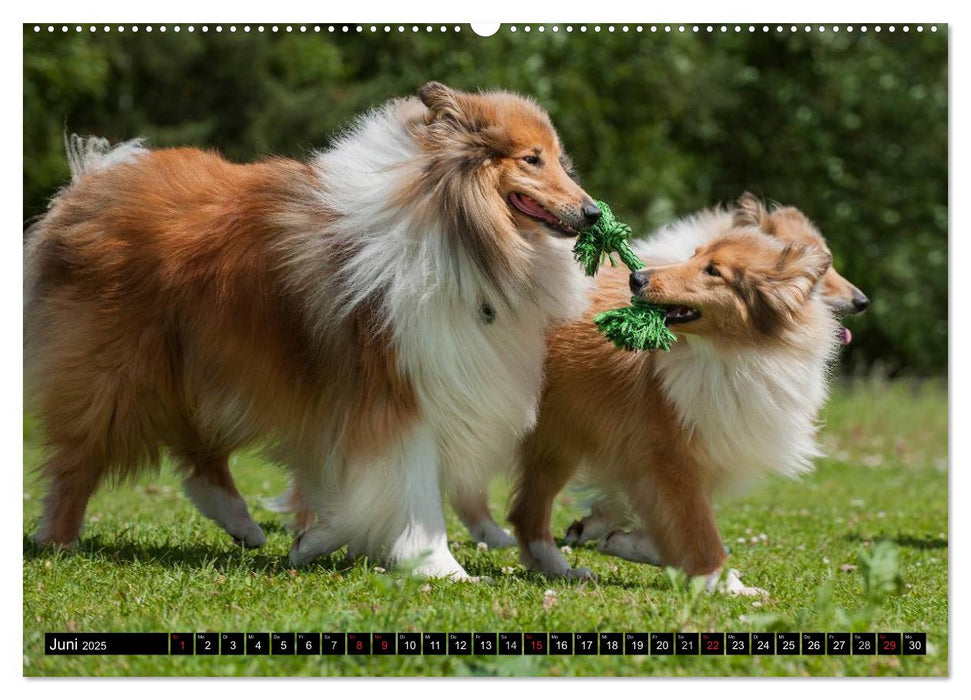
x: 736, y: 397
x: 677, y: 242
x: 376, y: 315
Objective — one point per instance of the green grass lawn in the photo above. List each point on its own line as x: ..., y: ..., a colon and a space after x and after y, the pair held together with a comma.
x: 860, y: 545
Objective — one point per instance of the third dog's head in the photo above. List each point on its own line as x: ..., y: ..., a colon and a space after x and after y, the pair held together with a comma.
x: 790, y: 225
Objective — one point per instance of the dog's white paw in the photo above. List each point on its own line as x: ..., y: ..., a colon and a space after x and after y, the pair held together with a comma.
x: 580, y: 573
x: 452, y: 571
x: 44, y: 538
x: 547, y: 559
x: 315, y: 542
x: 249, y: 535
x: 632, y: 546
x: 732, y: 584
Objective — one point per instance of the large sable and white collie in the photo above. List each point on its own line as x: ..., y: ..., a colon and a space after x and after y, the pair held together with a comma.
x: 735, y: 398
x: 377, y: 315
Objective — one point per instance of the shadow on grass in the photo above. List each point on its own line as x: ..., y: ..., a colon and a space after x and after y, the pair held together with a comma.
x: 179, y: 555
x: 226, y: 558
x: 902, y: 540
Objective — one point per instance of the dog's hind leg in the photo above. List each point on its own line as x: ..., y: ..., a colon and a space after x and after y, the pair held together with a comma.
x: 210, y: 486
x: 472, y: 507
x: 73, y: 479
x: 542, y: 475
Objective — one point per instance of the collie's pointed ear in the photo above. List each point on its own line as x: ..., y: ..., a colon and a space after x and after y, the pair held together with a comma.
x: 749, y: 211
x: 441, y: 100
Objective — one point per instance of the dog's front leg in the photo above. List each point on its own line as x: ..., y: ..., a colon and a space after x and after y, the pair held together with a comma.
x: 422, y: 541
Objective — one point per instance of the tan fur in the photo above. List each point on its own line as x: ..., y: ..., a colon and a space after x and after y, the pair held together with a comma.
x: 610, y: 407
x: 159, y: 298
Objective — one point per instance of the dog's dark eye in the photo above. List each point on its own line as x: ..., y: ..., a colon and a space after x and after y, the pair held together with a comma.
x: 532, y: 160
x: 712, y: 270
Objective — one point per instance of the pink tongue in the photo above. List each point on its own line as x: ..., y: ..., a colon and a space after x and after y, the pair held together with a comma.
x: 531, y: 206
x: 844, y: 335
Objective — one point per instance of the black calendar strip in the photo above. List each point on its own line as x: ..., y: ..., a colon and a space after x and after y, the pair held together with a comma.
x: 487, y: 643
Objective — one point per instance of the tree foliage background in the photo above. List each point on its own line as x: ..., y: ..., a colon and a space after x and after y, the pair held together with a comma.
x: 851, y: 128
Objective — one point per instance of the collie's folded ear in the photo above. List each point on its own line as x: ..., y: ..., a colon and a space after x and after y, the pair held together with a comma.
x: 749, y: 211
x: 779, y: 293
x: 808, y: 261
x: 441, y: 100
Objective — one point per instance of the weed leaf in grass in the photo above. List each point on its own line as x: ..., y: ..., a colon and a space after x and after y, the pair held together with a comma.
x: 881, y: 571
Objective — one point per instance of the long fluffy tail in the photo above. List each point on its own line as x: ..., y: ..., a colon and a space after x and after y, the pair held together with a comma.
x: 89, y: 153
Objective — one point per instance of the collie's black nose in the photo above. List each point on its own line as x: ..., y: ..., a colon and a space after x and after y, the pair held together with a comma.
x: 860, y: 301
x: 638, y: 280
x: 591, y: 212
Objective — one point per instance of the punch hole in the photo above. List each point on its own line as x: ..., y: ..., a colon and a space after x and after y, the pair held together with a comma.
x: 485, y: 28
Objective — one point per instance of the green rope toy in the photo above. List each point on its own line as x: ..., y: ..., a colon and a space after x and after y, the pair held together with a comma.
x: 639, y: 326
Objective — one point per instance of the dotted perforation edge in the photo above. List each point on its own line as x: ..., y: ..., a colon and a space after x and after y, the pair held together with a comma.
x: 512, y: 28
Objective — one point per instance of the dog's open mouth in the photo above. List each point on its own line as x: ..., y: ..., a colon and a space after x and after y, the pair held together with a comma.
x: 676, y: 313
x: 844, y: 335
x: 534, y: 210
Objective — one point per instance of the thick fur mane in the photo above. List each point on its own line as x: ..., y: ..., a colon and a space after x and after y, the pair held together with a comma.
x: 413, y: 223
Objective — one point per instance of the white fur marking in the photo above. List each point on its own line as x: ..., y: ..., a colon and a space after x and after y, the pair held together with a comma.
x: 88, y: 154
x: 732, y: 585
